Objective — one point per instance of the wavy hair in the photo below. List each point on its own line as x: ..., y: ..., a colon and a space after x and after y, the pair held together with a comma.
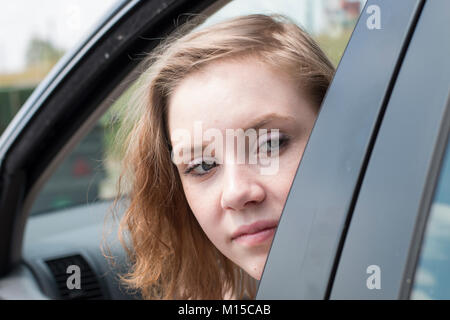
x: 170, y: 255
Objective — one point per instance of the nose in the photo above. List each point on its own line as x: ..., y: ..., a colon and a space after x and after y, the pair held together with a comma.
x: 241, y: 188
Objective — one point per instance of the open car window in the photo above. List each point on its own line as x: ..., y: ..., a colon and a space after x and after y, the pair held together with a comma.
x: 89, y: 173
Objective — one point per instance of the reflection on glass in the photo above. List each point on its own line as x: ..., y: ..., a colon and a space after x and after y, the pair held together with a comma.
x: 432, y: 279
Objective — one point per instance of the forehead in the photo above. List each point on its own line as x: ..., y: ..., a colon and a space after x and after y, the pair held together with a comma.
x: 228, y: 94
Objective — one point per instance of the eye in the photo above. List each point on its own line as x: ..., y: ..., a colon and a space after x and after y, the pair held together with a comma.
x: 272, y: 142
x: 200, y: 168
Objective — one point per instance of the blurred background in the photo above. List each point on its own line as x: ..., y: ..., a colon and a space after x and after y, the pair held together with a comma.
x: 35, y: 35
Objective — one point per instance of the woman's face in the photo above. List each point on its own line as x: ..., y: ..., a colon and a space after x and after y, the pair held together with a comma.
x: 237, y: 203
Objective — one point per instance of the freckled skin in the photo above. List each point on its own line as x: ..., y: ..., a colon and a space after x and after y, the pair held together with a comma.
x: 228, y: 94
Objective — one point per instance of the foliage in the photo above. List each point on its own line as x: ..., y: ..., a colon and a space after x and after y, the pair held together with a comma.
x: 40, y: 51
x: 334, y: 46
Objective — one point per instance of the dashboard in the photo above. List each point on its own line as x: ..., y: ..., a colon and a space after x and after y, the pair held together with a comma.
x: 72, y: 237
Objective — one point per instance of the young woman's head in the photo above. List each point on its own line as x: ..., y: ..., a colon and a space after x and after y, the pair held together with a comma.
x: 200, y: 220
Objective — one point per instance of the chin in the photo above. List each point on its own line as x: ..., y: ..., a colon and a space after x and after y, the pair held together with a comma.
x: 258, y: 277
x: 256, y: 272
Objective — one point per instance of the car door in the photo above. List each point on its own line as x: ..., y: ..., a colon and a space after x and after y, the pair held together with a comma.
x: 403, y: 197
x: 324, y: 198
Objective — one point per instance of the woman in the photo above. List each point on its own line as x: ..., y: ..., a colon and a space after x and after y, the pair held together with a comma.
x: 199, y: 224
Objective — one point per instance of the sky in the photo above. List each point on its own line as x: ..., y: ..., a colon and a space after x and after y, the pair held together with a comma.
x: 295, y: 9
x: 66, y: 22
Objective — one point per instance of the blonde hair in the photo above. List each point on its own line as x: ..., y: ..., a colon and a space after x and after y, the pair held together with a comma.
x: 171, y: 256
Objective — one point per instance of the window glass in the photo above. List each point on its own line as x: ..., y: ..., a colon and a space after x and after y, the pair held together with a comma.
x: 34, y: 35
x: 432, y: 278
x: 329, y: 22
x: 91, y: 171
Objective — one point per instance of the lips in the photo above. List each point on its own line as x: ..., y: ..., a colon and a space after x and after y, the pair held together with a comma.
x: 258, y: 230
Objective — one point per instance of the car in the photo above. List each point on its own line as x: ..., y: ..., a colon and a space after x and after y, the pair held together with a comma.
x: 357, y: 220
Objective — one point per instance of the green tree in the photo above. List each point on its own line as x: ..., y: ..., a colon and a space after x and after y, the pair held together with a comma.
x: 334, y: 46
x: 40, y: 51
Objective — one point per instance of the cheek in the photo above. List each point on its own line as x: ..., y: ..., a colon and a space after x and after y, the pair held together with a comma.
x: 205, y: 205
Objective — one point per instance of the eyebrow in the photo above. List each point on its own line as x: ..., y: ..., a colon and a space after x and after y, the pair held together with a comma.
x: 254, y: 124
x: 264, y: 119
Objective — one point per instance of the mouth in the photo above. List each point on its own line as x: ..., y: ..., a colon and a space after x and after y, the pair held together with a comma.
x: 255, y: 233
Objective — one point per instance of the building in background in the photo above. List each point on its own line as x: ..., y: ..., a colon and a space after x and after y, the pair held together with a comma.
x: 341, y: 15
x: 335, y: 16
